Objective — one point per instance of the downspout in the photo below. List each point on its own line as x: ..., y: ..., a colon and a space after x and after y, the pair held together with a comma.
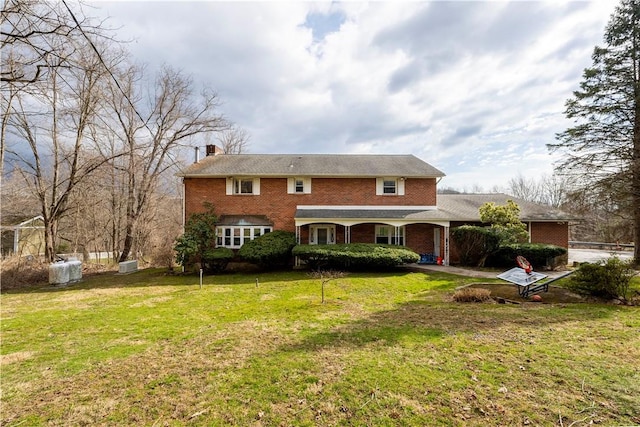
x: 184, y: 210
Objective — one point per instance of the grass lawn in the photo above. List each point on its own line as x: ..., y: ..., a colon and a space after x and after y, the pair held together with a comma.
x: 385, y: 349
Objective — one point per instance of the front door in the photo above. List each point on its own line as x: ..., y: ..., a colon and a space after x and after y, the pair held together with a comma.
x: 322, y: 234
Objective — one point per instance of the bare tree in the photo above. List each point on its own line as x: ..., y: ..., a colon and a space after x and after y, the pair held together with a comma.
x: 234, y: 140
x: 49, y: 121
x: 29, y: 37
x: 175, y: 115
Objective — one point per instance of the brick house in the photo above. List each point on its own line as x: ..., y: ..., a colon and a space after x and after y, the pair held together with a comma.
x: 327, y: 199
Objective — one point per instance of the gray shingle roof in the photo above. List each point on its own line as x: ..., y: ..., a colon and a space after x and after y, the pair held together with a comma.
x: 464, y: 207
x: 314, y: 165
x: 450, y: 207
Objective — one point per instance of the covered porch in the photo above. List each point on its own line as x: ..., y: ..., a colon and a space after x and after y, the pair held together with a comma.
x: 421, y: 229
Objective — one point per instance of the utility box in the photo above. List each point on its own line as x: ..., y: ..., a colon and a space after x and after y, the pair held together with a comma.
x: 59, y: 273
x: 128, y: 267
x: 75, y: 270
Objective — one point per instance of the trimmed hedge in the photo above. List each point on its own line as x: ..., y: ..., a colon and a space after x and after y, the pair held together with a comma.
x: 270, y: 250
x: 354, y: 256
x: 216, y: 260
x: 538, y: 254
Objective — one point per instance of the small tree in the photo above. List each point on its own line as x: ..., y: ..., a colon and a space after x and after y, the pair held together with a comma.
x: 199, y: 237
x: 505, y: 221
x: 326, y: 276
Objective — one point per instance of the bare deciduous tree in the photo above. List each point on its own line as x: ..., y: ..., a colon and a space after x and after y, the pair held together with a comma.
x: 234, y: 140
x: 175, y: 115
x: 48, y: 123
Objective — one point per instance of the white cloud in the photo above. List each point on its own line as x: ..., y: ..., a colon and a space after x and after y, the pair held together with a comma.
x: 466, y: 86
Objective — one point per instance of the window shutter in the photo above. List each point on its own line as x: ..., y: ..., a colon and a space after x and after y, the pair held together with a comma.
x: 256, y: 186
x: 229, y: 186
x: 379, y: 186
x: 291, y: 183
x: 307, y: 186
x: 400, y: 184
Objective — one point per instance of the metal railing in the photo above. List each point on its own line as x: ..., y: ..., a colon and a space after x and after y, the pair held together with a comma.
x: 602, y: 245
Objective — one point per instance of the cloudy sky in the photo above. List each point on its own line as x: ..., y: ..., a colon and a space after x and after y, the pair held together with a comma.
x: 474, y: 88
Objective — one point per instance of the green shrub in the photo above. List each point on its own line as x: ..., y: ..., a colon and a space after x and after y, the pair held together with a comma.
x: 270, y: 250
x: 199, y: 237
x: 606, y: 279
x: 538, y: 254
x: 474, y: 244
x: 216, y: 260
x: 355, y: 256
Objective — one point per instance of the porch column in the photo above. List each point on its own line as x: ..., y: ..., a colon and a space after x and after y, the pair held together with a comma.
x: 397, y: 232
x: 298, y: 234
x: 446, y: 245
x: 347, y: 234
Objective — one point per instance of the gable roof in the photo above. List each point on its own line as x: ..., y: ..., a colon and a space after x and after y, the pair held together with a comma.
x: 464, y: 207
x: 314, y: 165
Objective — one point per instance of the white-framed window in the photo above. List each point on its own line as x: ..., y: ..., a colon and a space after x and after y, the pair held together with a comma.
x: 322, y: 234
x: 235, y: 236
x: 243, y: 186
x: 389, y: 186
x: 299, y: 185
x: 389, y: 235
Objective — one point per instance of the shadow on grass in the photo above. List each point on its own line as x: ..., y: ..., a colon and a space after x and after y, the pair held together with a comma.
x: 425, y: 321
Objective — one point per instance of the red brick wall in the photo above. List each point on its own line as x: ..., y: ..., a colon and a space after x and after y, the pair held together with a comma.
x: 550, y: 232
x: 280, y: 207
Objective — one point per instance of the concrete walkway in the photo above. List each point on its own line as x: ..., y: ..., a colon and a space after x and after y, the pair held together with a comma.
x: 452, y: 270
x: 577, y: 255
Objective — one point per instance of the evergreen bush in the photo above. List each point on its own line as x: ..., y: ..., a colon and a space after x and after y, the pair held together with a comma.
x: 216, y: 260
x: 474, y: 244
x: 355, y: 256
x: 538, y: 254
x: 606, y: 279
x: 270, y: 250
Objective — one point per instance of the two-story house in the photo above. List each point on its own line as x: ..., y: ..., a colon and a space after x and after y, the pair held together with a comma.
x: 328, y: 199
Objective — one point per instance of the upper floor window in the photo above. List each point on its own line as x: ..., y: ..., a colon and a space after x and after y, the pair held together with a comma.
x: 247, y: 186
x: 242, y: 186
x: 389, y: 186
x: 299, y: 185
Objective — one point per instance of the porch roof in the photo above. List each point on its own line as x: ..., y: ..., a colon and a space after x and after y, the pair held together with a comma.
x: 373, y: 214
x: 237, y: 220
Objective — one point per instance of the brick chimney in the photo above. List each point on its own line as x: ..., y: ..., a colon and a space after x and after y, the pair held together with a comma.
x: 214, y: 150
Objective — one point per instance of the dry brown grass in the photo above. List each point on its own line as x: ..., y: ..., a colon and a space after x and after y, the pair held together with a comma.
x: 472, y: 295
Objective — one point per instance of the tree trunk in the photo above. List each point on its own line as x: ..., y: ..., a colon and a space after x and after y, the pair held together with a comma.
x: 128, y: 239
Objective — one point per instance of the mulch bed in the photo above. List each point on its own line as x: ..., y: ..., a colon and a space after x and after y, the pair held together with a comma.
x: 510, y: 293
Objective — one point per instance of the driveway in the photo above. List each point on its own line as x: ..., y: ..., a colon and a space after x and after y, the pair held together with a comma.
x: 593, y: 255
